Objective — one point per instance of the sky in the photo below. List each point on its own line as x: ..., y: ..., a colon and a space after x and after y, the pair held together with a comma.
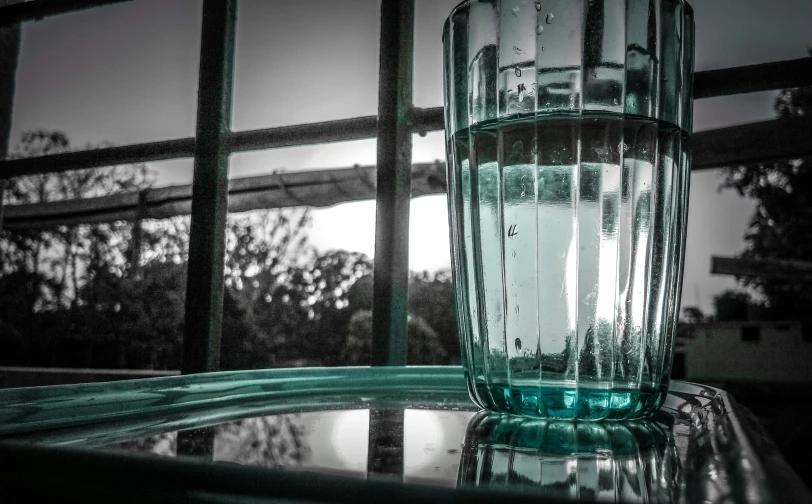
x: 127, y: 73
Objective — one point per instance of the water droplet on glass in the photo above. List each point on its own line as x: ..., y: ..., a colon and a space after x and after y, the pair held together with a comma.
x: 515, y: 11
x: 517, y: 49
x: 518, y: 72
x: 539, y: 30
x: 562, y: 253
x: 550, y: 18
x: 538, y: 6
x: 514, y: 253
x: 518, y: 341
x: 614, y: 101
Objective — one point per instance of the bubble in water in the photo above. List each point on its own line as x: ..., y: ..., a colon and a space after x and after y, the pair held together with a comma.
x: 517, y: 148
x: 550, y: 18
x: 539, y: 30
x: 562, y: 253
x: 518, y: 341
x: 518, y: 72
x: 614, y: 101
x: 517, y: 49
x: 515, y: 11
x: 538, y: 6
x: 514, y: 253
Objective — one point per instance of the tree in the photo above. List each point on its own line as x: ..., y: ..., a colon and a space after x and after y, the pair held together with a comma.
x: 431, y: 328
x: 43, y: 271
x: 781, y: 227
x: 57, y: 259
x: 92, y: 295
x: 72, y: 295
x: 424, y: 345
x: 694, y: 315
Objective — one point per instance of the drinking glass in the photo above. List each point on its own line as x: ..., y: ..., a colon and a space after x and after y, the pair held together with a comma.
x: 568, y: 130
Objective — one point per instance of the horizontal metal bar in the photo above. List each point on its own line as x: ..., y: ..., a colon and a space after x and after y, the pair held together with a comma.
x: 127, y: 373
x: 95, y: 158
x: 40, y: 9
x: 304, y: 134
x: 321, y: 188
x: 760, y: 142
x: 421, y: 121
x: 753, y: 78
x: 358, y: 128
x: 750, y: 143
x: 773, y: 269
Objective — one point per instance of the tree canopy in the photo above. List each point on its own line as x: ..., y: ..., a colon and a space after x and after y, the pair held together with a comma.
x: 781, y: 226
x: 112, y: 295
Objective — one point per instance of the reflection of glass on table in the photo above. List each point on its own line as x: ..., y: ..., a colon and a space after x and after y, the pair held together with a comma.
x: 614, y: 462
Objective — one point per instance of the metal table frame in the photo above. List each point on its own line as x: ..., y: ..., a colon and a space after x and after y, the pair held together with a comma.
x: 48, y: 433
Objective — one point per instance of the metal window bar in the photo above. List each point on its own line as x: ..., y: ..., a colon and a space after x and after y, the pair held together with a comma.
x: 205, y: 269
x: 214, y: 142
x: 761, y: 142
x: 9, y: 55
x: 390, y: 304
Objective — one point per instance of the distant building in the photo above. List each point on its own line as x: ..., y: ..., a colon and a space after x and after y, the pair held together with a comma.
x: 745, y: 351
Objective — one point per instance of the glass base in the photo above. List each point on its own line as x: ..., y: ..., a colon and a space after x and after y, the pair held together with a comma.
x: 581, y: 403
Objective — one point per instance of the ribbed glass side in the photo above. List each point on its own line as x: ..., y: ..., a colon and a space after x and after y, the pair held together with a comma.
x: 568, y: 179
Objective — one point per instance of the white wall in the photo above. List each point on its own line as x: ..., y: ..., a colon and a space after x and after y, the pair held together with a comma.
x: 717, y: 352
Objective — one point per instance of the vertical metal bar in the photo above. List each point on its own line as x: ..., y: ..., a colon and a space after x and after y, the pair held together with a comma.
x: 137, y: 234
x: 197, y: 443
x: 385, y: 450
x: 391, y: 273
x: 204, y: 286
x: 9, y: 55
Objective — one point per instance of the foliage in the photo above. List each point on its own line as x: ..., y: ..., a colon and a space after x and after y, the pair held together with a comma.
x: 112, y: 295
x: 694, y: 315
x: 275, y: 441
x: 732, y: 305
x: 781, y: 227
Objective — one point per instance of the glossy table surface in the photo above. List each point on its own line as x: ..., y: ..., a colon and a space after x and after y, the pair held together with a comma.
x: 341, y: 434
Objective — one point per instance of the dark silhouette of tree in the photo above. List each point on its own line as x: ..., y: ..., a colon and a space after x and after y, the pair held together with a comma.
x: 732, y: 305
x: 85, y: 296
x: 276, y: 441
x: 693, y: 315
x: 43, y: 271
x: 781, y: 226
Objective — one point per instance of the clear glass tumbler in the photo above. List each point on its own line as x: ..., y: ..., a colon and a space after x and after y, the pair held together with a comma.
x: 568, y: 129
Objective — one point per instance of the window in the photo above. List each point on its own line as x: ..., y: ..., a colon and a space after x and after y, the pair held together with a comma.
x: 751, y: 334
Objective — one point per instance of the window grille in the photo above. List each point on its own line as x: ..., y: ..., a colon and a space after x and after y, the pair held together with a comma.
x: 397, y: 179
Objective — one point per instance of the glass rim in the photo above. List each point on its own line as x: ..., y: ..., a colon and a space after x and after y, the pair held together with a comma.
x: 464, y: 3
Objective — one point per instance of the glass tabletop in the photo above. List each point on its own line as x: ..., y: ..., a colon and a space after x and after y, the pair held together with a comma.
x: 414, y: 426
